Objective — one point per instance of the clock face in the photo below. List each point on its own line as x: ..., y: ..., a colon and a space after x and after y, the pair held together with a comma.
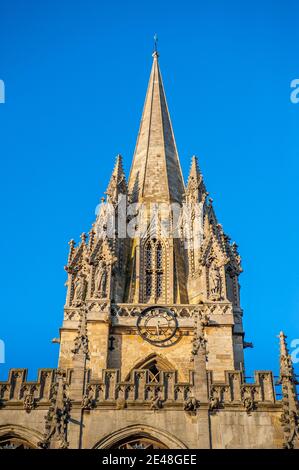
x: 157, y: 324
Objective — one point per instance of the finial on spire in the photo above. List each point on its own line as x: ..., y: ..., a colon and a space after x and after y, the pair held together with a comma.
x: 155, y: 53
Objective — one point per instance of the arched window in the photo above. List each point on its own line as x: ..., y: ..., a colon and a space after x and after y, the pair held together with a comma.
x: 154, y: 273
x: 141, y: 441
x: 153, y: 372
x: 12, y: 442
x: 154, y: 364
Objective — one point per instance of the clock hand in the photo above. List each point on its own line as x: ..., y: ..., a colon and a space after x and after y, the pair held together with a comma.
x: 157, y: 328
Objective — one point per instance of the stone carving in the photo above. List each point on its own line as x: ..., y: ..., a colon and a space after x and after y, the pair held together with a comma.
x: 291, y: 426
x: 81, y: 340
x: 56, y: 428
x: 79, y: 290
x: 215, y: 282
x: 180, y: 311
x: 199, y: 341
x: 191, y: 405
x: 88, y: 402
x: 58, y: 415
x: 290, y: 407
x: 247, y: 394
x: 215, y: 398
x: 101, y: 280
x: 29, y: 401
x: 71, y: 314
x: 156, y: 402
x: 121, y: 404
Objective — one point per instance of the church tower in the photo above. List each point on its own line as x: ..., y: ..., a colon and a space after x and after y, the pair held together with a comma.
x: 155, y: 242
x: 152, y: 340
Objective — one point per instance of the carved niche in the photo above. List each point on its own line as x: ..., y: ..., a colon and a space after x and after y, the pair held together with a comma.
x: 79, y: 289
x: 100, y: 279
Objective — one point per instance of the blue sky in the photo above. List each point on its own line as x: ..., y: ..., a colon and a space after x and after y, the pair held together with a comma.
x: 76, y: 75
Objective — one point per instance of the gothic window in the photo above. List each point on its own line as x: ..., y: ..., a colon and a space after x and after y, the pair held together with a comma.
x: 148, y: 267
x: 159, y: 284
x: 139, y: 442
x: 154, y: 373
x: 14, y: 443
x: 148, y: 256
x: 155, y: 365
x: 159, y: 256
x: 154, y: 273
x: 148, y: 284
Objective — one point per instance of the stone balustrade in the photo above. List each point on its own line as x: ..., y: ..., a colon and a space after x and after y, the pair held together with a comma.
x: 180, y: 310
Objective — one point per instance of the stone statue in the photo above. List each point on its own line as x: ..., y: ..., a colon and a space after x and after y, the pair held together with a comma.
x: 215, y: 282
x: 156, y: 402
x: 87, y: 402
x: 215, y: 398
x: 79, y: 290
x: 101, y: 279
x: 29, y: 401
x: 191, y: 405
x: 55, y: 429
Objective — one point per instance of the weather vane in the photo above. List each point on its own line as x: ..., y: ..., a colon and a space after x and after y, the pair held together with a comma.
x: 155, y: 42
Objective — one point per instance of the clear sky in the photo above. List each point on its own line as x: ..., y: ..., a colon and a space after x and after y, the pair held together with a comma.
x: 76, y: 75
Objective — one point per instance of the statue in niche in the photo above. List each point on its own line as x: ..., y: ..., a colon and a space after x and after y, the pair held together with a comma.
x: 79, y: 290
x: 101, y: 279
x: 215, y: 282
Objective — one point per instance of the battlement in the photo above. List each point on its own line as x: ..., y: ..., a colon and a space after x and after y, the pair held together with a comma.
x: 234, y: 390
x: 140, y: 388
x: 17, y: 388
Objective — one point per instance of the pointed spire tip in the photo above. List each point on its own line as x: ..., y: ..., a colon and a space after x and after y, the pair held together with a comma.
x: 155, y: 54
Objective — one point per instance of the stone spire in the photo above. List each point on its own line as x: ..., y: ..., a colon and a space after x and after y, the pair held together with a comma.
x: 286, y: 366
x: 117, y: 184
x: 194, y: 170
x: 287, y: 379
x: 156, y: 174
x: 195, y: 189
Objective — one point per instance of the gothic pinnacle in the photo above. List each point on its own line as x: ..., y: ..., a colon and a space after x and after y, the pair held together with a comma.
x: 283, y: 344
x: 91, y: 237
x: 286, y: 365
x: 83, y: 237
x: 72, y: 244
x: 117, y: 184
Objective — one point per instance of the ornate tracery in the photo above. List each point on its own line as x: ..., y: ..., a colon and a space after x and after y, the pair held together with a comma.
x: 140, y: 442
x: 13, y: 442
